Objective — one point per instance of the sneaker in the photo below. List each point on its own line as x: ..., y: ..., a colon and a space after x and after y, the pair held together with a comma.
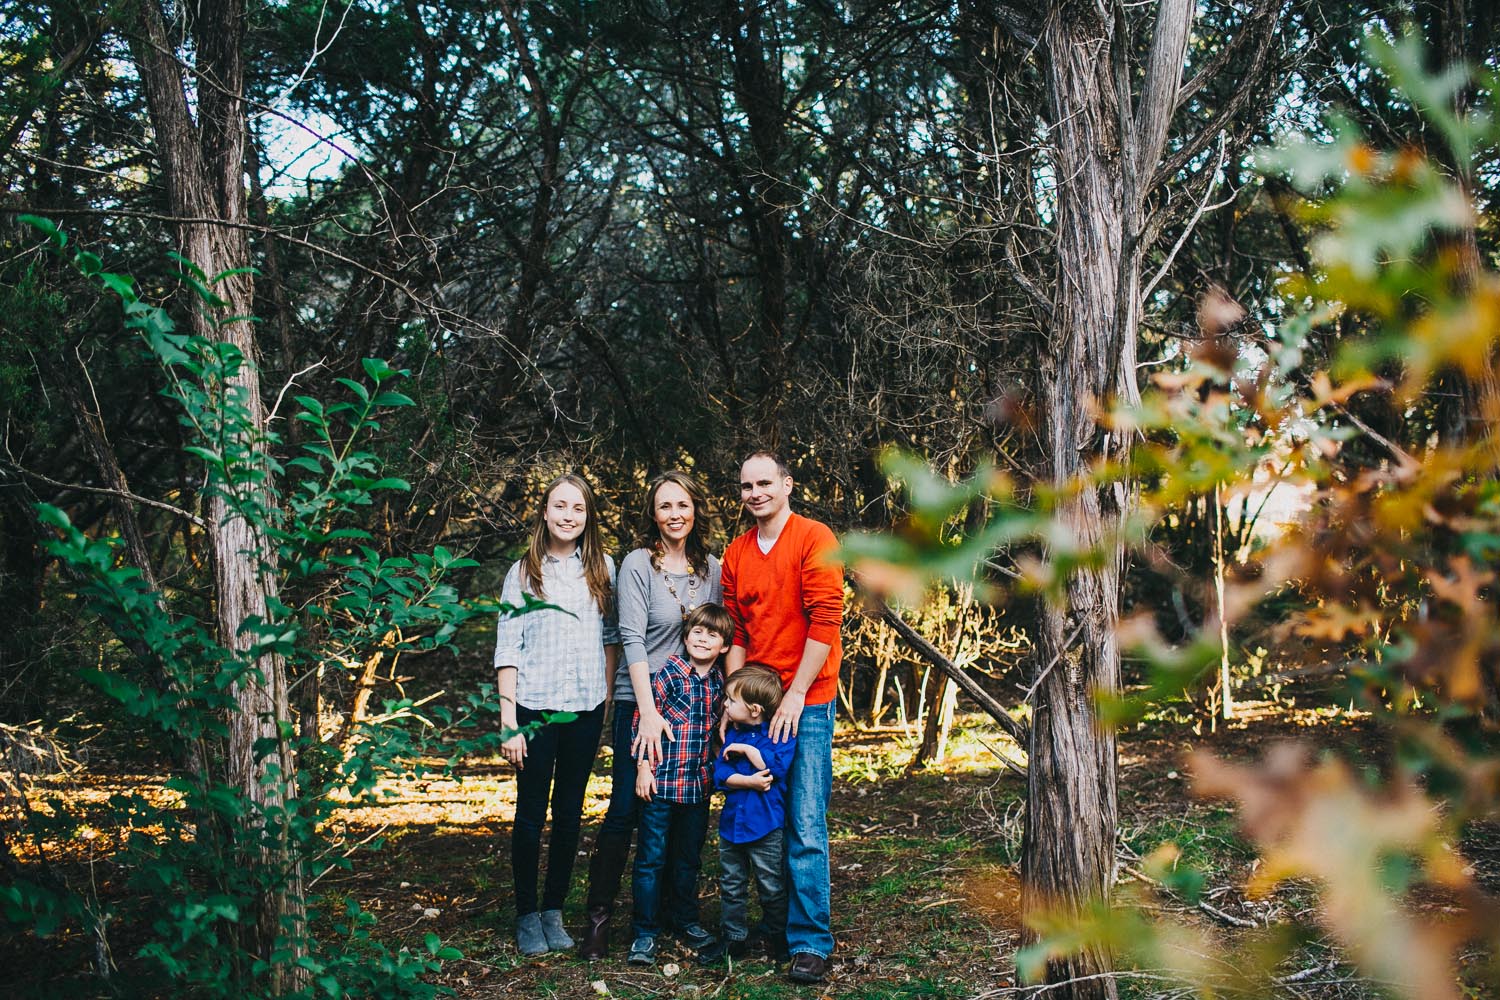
x: 711, y: 954
x: 738, y: 948
x: 642, y: 951
x: 695, y: 937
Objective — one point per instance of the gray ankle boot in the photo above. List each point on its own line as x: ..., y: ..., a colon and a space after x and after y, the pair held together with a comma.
x: 552, y: 929
x: 529, y: 935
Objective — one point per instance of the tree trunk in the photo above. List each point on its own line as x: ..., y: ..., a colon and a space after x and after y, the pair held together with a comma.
x: 1102, y: 151
x: 204, y: 166
x: 759, y: 91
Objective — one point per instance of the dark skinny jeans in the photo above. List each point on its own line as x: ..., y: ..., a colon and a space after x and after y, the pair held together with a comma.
x: 559, y: 757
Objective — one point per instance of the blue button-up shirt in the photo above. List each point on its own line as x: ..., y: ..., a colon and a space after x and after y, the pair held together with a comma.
x: 748, y: 814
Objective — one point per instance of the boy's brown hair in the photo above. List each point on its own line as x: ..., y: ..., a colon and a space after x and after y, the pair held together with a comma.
x: 756, y: 684
x: 712, y: 617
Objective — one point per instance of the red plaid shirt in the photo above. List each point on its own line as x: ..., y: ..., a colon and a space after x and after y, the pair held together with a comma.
x: 690, y: 704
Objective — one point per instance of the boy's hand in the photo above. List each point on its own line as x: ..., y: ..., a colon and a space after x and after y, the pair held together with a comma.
x: 645, y: 782
x: 731, y: 749
x: 761, y: 780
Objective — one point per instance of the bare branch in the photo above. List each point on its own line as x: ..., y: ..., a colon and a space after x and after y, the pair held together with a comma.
x: 119, y: 494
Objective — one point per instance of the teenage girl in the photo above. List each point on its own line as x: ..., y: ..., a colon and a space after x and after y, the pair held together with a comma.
x: 555, y: 660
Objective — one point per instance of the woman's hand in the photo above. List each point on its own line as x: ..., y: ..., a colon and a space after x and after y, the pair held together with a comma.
x: 647, y: 743
x: 514, y: 750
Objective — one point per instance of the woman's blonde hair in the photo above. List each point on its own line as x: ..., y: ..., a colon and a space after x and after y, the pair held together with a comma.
x: 590, y: 548
x: 695, y: 547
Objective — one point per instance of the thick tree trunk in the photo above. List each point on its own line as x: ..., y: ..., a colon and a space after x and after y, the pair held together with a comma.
x: 1103, y: 150
x: 204, y: 166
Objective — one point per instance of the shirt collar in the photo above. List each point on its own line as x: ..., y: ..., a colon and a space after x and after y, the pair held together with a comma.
x: 686, y: 666
x: 577, y: 556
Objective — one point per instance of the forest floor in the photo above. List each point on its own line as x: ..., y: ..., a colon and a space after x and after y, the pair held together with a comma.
x: 925, y: 894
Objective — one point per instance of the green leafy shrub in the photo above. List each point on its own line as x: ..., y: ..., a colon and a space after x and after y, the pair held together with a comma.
x: 194, y: 863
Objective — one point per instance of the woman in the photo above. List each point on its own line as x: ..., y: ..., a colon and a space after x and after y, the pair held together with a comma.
x: 660, y: 583
x: 556, y: 659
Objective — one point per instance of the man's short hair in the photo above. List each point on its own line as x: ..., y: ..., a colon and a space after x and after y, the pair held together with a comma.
x: 781, y: 465
x: 712, y: 617
x: 756, y: 684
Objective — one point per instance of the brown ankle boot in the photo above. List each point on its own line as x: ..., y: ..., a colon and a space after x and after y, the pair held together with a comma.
x: 595, y: 942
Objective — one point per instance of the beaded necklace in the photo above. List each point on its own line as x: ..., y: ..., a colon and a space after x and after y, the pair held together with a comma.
x: 692, y: 583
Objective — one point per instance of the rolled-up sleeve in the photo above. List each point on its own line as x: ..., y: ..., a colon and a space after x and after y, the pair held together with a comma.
x: 823, y: 587
x: 632, y: 597
x: 510, y: 634
x: 611, y: 625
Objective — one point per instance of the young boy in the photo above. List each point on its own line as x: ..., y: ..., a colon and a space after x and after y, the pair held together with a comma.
x: 675, y: 794
x: 752, y: 771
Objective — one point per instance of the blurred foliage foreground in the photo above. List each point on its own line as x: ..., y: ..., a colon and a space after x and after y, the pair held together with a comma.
x: 1385, y: 579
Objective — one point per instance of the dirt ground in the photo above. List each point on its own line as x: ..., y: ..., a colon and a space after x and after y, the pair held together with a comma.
x: 925, y: 894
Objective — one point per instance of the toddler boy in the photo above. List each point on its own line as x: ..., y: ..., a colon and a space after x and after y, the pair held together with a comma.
x: 752, y: 771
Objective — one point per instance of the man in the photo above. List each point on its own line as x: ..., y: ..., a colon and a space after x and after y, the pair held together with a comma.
x: 786, y: 596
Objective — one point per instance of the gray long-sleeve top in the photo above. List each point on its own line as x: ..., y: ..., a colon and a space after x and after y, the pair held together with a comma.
x: 651, y: 618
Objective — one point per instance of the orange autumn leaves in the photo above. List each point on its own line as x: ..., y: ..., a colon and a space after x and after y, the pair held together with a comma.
x: 1369, y: 851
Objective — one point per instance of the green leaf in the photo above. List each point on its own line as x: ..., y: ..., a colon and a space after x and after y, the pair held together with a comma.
x: 355, y: 387
x: 192, y: 269
x: 224, y: 275
x: 377, y: 369
x: 121, y: 285
x: 393, y: 399
x: 47, y: 227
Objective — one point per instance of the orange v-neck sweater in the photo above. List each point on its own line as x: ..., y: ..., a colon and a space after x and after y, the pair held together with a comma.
x: 782, y: 598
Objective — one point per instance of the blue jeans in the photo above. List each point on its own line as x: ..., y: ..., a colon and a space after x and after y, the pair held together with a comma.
x: 667, y: 854
x: 809, y: 926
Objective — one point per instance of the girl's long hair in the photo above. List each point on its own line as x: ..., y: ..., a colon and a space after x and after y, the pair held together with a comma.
x: 590, y: 549
x: 695, y: 547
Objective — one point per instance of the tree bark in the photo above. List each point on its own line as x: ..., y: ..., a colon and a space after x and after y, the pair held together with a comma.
x: 1103, y: 149
x: 204, y: 165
